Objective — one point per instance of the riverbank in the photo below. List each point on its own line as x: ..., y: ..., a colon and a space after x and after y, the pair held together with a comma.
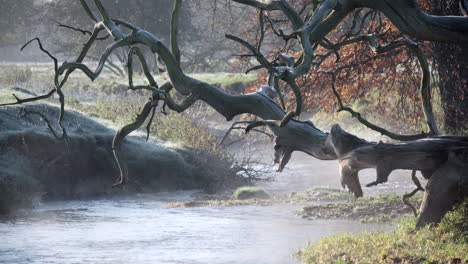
x: 319, y: 202
x: 445, y: 243
x: 252, y: 196
x: 36, y: 166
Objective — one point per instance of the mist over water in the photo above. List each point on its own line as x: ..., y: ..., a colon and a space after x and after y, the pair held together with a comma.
x: 138, y: 229
x: 304, y: 172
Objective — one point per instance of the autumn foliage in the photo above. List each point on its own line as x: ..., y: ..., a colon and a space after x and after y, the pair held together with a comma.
x: 380, y: 85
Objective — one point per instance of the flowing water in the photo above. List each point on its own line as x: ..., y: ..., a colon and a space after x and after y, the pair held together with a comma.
x: 139, y: 229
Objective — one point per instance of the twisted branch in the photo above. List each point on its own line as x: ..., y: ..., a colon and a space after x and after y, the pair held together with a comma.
x: 291, y: 135
x: 49, y: 125
x: 123, y: 132
x: 412, y: 193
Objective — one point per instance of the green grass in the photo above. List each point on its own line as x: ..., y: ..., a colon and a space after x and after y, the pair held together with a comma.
x: 248, y: 192
x: 445, y: 243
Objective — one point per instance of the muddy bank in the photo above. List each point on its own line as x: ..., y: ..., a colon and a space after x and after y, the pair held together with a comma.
x: 34, y: 165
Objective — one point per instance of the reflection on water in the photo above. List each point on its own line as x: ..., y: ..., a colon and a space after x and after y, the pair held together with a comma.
x: 139, y: 230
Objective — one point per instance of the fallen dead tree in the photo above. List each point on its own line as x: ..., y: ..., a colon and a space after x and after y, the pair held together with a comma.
x: 440, y: 159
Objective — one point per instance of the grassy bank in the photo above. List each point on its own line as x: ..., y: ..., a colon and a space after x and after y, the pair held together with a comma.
x: 445, y: 243
x: 108, y: 100
x: 36, y: 165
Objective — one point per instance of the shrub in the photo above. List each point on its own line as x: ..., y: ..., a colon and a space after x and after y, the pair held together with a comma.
x: 248, y: 192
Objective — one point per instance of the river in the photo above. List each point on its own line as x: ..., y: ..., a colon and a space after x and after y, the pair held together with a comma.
x: 139, y: 229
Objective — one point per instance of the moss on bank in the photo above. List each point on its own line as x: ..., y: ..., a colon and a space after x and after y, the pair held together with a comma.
x: 445, y: 243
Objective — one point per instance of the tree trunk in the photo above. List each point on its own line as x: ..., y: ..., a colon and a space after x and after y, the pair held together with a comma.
x: 447, y: 187
x: 451, y: 62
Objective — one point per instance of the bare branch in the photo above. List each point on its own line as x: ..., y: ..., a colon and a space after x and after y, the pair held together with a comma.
x: 282, y: 5
x: 49, y: 125
x: 368, y: 124
x: 234, y: 127
x: 54, y: 59
x: 111, y: 27
x: 412, y: 193
x: 122, y: 133
x: 425, y: 87
x: 260, y: 58
x: 175, y: 28
x: 152, y: 83
x: 94, y: 74
x: 32, y: 99
x: 82, y: 31
x: 88, y: 11
x: 189, y: 101
x: 148, y: 126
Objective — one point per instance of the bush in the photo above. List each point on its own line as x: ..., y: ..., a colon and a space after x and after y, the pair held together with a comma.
x: 248, y: 192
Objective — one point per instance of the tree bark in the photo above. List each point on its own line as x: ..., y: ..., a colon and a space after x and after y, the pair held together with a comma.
x: 451, y: 62
x: 447, y: 187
